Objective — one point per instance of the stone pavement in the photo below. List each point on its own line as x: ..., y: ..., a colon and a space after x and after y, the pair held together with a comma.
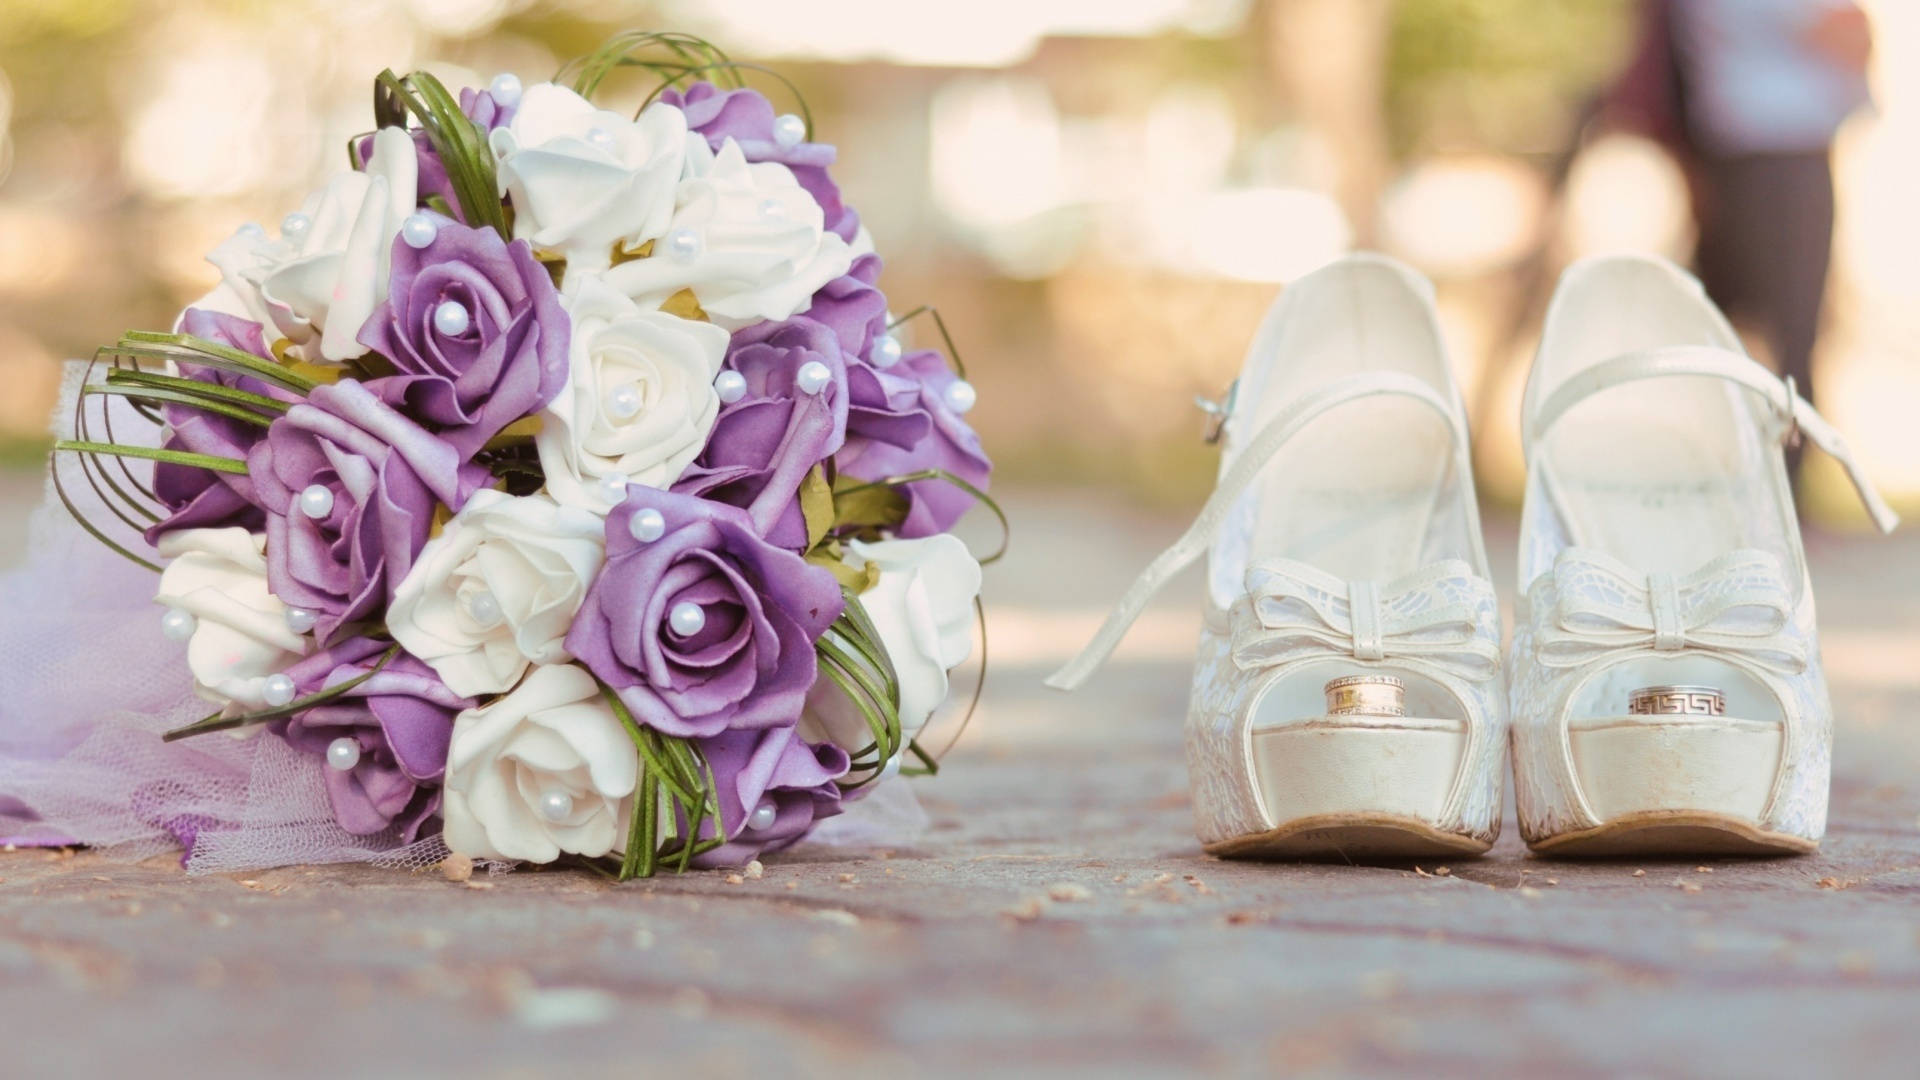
x: 1057, y: 917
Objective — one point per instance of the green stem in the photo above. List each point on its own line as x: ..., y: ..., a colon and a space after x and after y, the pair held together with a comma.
x: 153, y: 453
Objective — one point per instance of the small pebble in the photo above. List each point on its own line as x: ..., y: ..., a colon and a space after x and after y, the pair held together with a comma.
x: 736, y: 879
x: 456, y: 868
x: 1027, y: 910
x: 1068, y: 892
x: 1442, y: 871
x: 755, y: 871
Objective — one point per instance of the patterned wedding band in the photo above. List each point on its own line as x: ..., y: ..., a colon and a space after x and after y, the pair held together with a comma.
x: 1366, y: 695
x: 1677, y: 701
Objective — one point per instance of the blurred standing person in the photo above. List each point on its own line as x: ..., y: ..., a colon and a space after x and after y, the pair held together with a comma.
x: 1763, y: 85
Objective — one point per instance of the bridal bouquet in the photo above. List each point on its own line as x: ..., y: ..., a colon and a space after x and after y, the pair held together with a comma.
x: 555, y: 480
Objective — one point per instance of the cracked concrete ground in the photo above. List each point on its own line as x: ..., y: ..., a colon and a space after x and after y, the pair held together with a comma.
x: 1057, y: 917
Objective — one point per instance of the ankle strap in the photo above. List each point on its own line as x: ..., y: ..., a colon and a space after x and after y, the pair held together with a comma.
x: 1792, y: 413
x: 1239, y: 476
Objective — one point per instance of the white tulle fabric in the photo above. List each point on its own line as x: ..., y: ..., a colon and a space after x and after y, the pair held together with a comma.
x: 1585, y: 613
x: 1441, y: 623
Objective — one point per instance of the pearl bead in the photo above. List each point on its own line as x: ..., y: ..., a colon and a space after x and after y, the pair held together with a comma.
x: 885, y: 352
x: 687, y: 618
x: 505, y: 89
x: 484, y: 608
x: 556, y: 806
x: 813, y: 377
x: 300, y: 620
x: 277, y: 690
x: 731, y: 386
x: 316, y: 501
x: 451, y: 319
x: 771, y: 209
x: 177, y: 625
x: 683, y: 245
x: 763, y: 815
x: 960, y: 396
x: 295, y: 225
x: 623, y: 401
x: 613, y: 488
x: 647, y: 526
x: 418, y: 230
x: 892, y: 768
x: 788, y: 130
x: 253, y: 230
x: 343, y: 753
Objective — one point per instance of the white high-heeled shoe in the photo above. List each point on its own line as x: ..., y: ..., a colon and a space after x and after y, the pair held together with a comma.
x: 1667, y: 691
x: 1347, y: 695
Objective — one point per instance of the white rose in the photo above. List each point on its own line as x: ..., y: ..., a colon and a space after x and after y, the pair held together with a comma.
x: 584, y: 179
x: 922, y: 607
x: 747, y: 239
x: 240, y: 633
x: 322, y: 281
x: 545, y: 769
x: 639, y: 400
x: 497, y: 591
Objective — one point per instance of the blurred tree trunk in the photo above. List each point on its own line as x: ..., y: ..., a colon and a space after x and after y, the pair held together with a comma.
x: 1329, y: 60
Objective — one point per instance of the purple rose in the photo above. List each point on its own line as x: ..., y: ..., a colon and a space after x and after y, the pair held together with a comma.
x: 772, y: 788
x: 475, y: 327
x: 747, y: 117
x: 349, y: 488
x: 763, y: 445
x: 707, y: 627
x: 916, y: 385
x: 932, y: 505
x: 201, y: 498
x: 482, y: 109
x: 401, y: 720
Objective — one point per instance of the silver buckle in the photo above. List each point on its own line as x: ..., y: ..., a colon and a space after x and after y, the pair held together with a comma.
x: 1217, y: 412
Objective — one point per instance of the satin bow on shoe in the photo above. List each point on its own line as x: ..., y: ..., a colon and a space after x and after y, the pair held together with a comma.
x: 1738, y: 605
x: 1432, y: 619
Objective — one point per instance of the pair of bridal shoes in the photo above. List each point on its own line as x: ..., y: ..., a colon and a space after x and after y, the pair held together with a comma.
x: 1662, y: 689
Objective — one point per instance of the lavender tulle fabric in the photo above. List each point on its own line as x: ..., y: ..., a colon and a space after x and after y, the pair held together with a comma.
x: 88, y: 685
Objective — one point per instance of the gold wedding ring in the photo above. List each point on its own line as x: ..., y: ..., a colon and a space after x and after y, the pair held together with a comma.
x: 1677, y: 701
x: 1366, y: 695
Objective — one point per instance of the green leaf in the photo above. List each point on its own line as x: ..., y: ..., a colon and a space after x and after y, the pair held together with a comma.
x: 868, y: 506
x: 459, y: 142
x: 817, y: 505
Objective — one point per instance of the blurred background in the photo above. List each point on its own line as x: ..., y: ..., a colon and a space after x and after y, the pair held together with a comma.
x: 1101, y: 196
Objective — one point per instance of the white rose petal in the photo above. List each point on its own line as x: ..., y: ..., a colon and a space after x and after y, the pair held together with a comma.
x: 319, y: 289
x: 584, y: 179
x: 763, y: 248
x: 923, y: 609
x: 553, y: 735
x: 666, y: 366
x: 240, y: 636
x: 498, y: 590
